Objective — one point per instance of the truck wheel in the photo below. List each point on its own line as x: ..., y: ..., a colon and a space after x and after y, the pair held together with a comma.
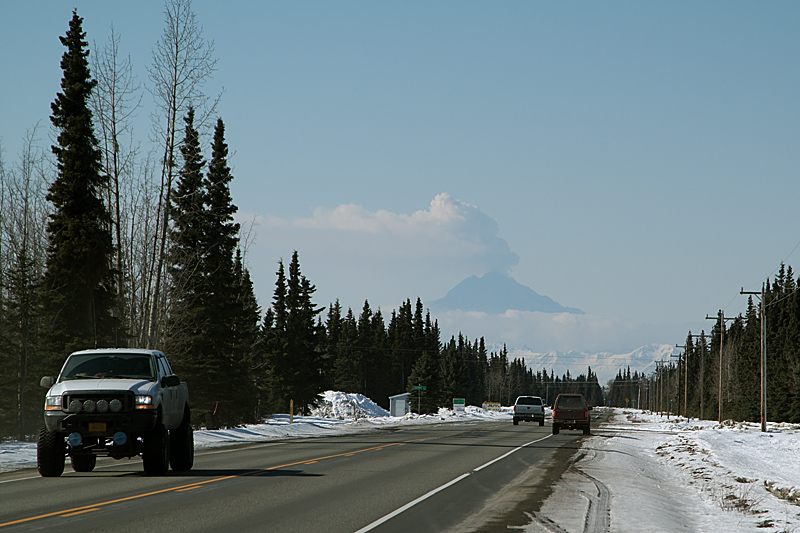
x: 541, y: 422
x: 181, y: 445
x: 556, y: 429
x: 516, y: 422
x: 155, y: 456
x: 83, y: 463
x: 50, y: 453
x: 586, y: 431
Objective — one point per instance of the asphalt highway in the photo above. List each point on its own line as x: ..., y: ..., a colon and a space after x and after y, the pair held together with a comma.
x: 473, y: 476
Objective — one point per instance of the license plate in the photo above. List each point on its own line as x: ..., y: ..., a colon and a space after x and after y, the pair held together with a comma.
x: 97, y: 427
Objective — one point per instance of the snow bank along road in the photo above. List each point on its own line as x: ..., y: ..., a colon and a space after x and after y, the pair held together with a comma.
x: 674, y: 475
x: 458, y: 476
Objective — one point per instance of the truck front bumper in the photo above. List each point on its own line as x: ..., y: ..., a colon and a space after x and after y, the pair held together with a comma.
x: 101, y: 425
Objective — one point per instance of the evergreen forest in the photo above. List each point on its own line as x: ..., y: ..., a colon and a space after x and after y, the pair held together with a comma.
x: 717, y: 375
x: 102, y: 245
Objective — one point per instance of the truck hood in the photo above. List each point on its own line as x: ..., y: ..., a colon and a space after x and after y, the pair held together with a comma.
x: 137, y: 386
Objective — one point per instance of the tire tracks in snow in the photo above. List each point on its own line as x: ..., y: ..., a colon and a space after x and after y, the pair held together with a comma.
x: 575, y: 486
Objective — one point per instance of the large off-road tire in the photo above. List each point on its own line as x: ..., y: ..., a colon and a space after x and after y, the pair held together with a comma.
x: 556, y: 429
x: 516, y: 422
x: 587, y: 431
x: 181, y: 445
x: 50, y: 452
x: 155, y: 456
x: 83, y: 463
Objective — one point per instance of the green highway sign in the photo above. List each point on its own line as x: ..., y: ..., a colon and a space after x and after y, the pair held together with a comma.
x: 419, y: 387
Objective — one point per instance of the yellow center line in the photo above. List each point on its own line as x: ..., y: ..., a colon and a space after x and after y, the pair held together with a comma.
x: 197, y: 484
x: 86, y: 508
x: 79, y: 512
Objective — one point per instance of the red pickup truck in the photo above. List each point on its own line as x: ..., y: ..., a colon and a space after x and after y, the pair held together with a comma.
x: 570, y: 411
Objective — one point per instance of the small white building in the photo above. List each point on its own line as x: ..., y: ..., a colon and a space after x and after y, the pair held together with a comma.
x: 398, y: 404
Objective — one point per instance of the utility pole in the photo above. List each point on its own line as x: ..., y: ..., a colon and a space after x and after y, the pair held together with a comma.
x: 721, y: 318
x: 660, y: 386
x: 762, y: 296
x: 702, y: 372
x: 678, y: 386
x: 639, y: 395
x: 685, y: 380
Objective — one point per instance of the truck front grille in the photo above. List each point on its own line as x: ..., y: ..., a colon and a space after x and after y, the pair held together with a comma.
x: 98, y: 402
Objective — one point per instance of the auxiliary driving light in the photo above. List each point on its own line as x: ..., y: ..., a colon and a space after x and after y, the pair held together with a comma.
x: 74, y: 439
x: 89, y: 406
x: 120, y: 438
x: 115, y: 406
x: 102, y: 406
x: 75, y: 406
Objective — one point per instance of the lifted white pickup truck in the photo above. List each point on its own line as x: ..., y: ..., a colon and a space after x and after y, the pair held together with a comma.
x: 529, y: 408
x: 119, y: 403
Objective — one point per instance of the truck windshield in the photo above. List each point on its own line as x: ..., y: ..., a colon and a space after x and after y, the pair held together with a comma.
x: 88, y: 366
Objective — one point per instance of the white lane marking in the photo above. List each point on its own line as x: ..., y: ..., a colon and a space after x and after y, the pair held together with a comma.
x: 409, y: 505
x: 424, y: 497
x: 509, y: 453
x: 19, y: 479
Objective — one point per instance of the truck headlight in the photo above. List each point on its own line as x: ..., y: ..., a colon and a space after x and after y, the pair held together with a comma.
x: 144, y: 402
x: 52, y: 403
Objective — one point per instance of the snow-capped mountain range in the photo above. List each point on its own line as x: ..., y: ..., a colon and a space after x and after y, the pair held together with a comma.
x: 604, y: 364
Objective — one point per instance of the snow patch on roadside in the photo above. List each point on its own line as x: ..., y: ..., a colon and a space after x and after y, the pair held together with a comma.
x: 341, y: 405
x: 16, y: 455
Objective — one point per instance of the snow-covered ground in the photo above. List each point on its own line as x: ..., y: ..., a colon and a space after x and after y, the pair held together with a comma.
x: 677, y: 475
x: 654, y: 474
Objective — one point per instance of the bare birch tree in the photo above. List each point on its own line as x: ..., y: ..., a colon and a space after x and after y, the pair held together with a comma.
x: 115, y: 99
x: 23, y: 245
x: 183, y: 61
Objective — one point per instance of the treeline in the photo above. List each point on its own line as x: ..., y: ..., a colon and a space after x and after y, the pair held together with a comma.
x: 691, y: 384
x: 625, y: 389
x: 104, y: 246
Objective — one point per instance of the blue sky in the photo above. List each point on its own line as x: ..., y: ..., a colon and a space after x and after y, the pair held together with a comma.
x: 637, y: 160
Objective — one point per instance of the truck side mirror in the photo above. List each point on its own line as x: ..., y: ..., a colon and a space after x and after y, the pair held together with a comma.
x: 47, y: 382
x: 170, y: 381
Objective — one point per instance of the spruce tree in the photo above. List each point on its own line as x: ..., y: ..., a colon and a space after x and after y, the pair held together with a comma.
x: 186, y: 341
x: 329, y: 340
x: 226, y: 301
x: 78, y: 282
x: 277, y: 356
x: 378, y: 369
x: 347, y: 368
x: 246, y: 338
x: 427, y: 374
x: 304, y: 334
x: 294, y: 352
